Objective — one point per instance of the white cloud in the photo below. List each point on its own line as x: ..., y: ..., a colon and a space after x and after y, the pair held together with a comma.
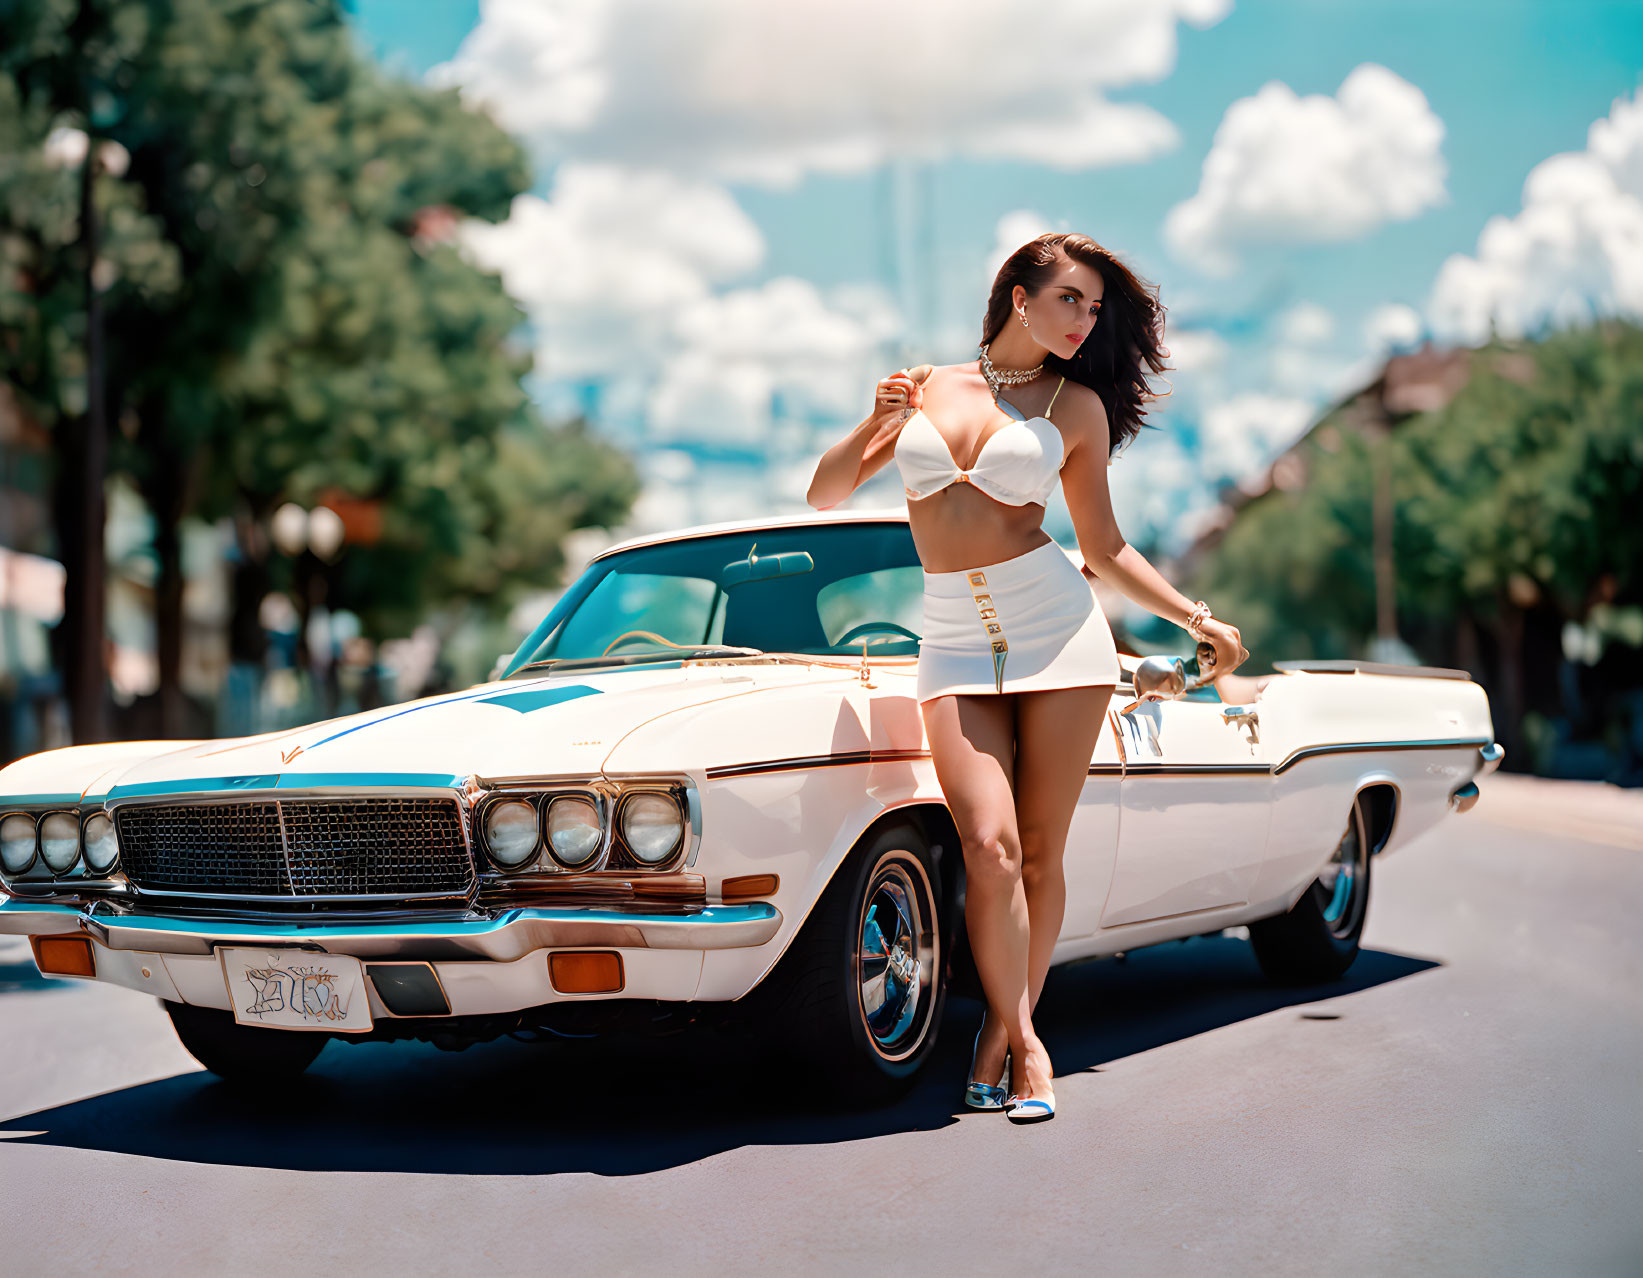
x: 621, y: 272
x: 737, y: 351
x: 1010, y: 232
x: 1306, y: 324
x: 1151, y: 481
x: 1285, y: 168
x: 1575, y: 250
x: 748, y: 90
x: 1196, y: 350
x: 607, y: 264
x: 1303, y: 357
x: 1239, y: 437
x: 1392, y: 326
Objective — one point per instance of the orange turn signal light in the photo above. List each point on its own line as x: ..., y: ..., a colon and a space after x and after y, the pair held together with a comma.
x: 586, y: 972
x: 748, y: 886
x: 64, y: 955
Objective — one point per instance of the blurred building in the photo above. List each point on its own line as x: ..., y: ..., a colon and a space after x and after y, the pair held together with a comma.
x: 1418, y: 381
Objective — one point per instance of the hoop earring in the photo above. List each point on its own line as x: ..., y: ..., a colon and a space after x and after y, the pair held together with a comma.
x: 1024, y: 323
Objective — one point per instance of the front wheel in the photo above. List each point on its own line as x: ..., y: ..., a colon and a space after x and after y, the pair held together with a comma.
x: 243, y: 1053
x: 857, y: 998
x: 1317, y: 940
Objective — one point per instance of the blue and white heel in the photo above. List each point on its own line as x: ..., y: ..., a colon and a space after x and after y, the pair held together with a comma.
x: 1029, y: 1109
x: 984, y: 1095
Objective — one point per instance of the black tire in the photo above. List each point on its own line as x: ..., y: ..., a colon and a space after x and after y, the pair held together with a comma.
x: 1317, y: 940
x: 243, y: 1053
x: 816, y: 999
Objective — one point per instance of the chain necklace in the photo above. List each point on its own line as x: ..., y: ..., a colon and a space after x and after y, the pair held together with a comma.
x: 1007, y: 376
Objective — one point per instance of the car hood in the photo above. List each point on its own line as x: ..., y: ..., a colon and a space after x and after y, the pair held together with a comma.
x: 562, y: 723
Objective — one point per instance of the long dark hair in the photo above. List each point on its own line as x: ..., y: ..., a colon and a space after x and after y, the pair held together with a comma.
x: 1127, y: 338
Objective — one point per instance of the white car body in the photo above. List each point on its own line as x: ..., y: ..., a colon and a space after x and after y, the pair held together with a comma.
x: 1192, y: 819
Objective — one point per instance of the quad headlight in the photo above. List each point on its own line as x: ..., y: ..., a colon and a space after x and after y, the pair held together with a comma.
x: 102, y: 847
x: 652, y: 825
x: 512, y: 833
x: 575, y: 831
x: 60, y: 841
x: 17, y: 842
x: 598, y: 825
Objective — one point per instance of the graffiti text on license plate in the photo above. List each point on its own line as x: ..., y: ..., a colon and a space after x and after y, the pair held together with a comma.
x: 297, y: 989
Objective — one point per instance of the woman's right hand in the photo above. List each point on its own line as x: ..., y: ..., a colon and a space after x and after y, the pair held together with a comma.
x: 896, y: 393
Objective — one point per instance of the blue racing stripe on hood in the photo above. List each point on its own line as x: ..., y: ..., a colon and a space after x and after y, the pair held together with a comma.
x: 530, y: 699
x: 560, y: 694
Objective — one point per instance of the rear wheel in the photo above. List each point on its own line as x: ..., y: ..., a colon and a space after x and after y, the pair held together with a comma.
x: 1317, y: 940
x: 243, y: 1053
x: 857, y: 998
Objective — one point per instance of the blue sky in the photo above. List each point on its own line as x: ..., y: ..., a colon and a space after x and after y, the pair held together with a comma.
x: 1511, y: 82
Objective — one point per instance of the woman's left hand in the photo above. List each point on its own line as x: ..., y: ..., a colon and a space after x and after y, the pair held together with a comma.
x: 1230, y: 652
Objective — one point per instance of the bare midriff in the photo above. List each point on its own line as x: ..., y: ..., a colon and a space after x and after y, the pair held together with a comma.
x: 961, y: 527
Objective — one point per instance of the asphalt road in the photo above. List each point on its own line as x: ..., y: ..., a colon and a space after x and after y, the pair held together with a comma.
x: 1469, y: 1101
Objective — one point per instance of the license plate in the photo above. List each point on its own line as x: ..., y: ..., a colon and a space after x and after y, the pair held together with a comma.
x: 297, y: 989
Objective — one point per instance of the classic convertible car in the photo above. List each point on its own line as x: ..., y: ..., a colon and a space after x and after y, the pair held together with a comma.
x: 699, y: 789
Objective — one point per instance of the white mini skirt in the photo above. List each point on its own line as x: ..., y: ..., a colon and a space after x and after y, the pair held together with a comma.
x: 1027, y: 623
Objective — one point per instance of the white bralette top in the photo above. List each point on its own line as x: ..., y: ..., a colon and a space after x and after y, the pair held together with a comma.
x: 1018, y: 464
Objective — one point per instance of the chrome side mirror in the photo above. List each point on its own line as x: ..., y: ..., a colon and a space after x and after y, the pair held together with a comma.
x: 1160, y: 677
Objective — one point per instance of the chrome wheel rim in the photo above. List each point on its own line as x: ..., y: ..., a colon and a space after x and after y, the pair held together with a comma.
x: 1340, y: 888
x: 896, y: 946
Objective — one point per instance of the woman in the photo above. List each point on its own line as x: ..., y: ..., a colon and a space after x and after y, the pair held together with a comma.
x: 1017, y: 662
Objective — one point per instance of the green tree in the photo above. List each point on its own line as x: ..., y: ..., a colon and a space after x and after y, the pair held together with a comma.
x: 1516, y: 512
x: 320, y: 332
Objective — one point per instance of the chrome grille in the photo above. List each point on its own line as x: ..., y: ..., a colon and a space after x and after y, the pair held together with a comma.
x: 298, y: 849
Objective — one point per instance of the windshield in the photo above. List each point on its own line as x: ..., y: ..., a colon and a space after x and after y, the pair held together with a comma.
x: 811, y: 589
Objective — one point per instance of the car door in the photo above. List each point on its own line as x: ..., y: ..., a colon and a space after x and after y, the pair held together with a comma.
x: 1093, y: 837
x: 1195, y: 804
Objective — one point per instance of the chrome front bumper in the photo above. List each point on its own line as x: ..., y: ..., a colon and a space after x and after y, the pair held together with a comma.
x: 501, y: 937
x: 1489, y: 756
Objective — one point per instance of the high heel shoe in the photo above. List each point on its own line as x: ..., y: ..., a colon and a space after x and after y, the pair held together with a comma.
x: 1029, y: 1109
x: 984, y: 1095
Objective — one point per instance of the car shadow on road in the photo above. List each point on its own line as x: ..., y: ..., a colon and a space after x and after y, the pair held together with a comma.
x: 25, y: 978
x: 629, y: 1106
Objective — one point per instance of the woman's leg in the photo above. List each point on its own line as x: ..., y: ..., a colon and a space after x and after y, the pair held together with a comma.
x: 972, y: 743
x: 1056, y: 731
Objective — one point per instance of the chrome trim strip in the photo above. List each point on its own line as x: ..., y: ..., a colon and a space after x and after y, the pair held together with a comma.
x: 1196, y: 769
x: 262, y: 782
x: 287, y: 898
x: 285, y: 855
x: 732, y: 527
x: 1353, y: 747
x: 898, y: 756
x: 693, y: 812
x: 509, y: 935
x: 843, y: 758
x: 1106, y: 770
x: 1355, y: 665
x: 269, y: 796
x: 19, y: 917
x: 848, y: 757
